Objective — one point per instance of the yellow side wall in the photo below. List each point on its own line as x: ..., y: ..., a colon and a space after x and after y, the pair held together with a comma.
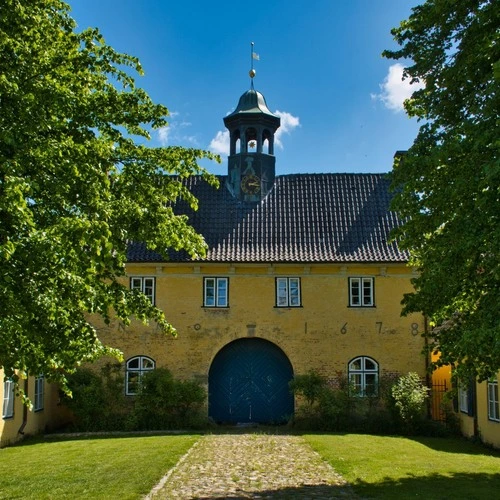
x: 324, y: 334
x: 52, y: 415
x: 489, y: 430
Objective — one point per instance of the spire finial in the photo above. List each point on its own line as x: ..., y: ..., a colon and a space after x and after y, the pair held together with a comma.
x: 253, y: 55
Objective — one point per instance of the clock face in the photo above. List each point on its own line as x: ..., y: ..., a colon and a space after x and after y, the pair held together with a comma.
x: 250, y: 184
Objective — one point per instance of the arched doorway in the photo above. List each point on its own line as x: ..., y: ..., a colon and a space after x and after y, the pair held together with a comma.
x: 248, y: 382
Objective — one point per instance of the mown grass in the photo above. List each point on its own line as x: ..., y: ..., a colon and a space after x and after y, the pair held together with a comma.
x: 111, y: 467
x: 397, y: 467
x: 128, y: 467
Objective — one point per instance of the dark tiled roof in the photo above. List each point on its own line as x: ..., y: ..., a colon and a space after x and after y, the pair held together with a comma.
x: 305, y: 218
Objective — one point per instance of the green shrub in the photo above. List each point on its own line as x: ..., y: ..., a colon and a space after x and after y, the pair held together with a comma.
x: 410, y: 396
x: 327, y: 408
x: 310, y: 386
x: 337, y: 409
x: 87, y: 399
x: 166, y: 403
x: 99, y: 402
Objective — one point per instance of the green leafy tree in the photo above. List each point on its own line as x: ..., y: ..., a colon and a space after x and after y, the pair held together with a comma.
x: 77, y: 184
x: 448, y: 183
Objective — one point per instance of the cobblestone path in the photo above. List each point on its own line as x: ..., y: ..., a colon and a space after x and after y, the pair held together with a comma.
x: 251, y: 466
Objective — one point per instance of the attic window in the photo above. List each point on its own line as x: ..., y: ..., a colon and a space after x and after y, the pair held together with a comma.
x: 288, y: 292
x: 146, y: 285
x: 215, y: 292
x: 361, y: 292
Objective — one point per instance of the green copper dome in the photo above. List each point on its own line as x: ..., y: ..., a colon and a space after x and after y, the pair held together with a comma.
x: 252, y: 102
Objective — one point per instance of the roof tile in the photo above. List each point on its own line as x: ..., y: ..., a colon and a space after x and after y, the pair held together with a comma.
x: 305, y: 218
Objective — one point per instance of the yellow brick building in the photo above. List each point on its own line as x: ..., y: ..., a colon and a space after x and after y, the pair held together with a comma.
x: 300, y: 275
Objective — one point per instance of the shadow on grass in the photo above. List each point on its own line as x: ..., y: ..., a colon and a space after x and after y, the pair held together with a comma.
x: 305, y: 492
x: 460, y: 445
x: 435, y: 486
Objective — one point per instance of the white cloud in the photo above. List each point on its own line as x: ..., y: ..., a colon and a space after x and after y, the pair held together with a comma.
x: 220, y: 143
x: 163, y: 133
x: 174, y: 131
x: 395, y: 90
x: 288, y: 123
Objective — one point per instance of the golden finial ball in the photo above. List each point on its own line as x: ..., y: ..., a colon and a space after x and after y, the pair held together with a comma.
x: 252, y: 73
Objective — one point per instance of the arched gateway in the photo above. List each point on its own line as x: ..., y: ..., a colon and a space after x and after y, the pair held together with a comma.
x: 248, y: 382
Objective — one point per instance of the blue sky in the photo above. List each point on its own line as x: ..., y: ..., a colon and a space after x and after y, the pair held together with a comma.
x: 320, y: 68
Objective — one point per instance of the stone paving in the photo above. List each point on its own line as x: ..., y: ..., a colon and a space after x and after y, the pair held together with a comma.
x: 232, y: 466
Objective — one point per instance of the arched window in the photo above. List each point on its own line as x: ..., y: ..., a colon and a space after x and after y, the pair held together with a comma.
x: 251, y: 140
x: 363, y: 376
x: 267, y: 142
x: 136, y: 368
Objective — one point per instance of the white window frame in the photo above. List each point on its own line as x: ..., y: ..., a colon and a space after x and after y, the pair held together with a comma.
x: 358, y: 376
x: 8, y: 399
x: 362, y: 292
x: 463, y: 399
x: 215, y: 292
x: 288, y: 292
x: 493, y: 401
x: 146, y: 285
x: 39, y: 393
x: 145, y: 364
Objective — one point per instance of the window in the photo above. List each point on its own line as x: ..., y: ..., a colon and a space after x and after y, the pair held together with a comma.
x: 136, y: 368
x: 363, y: 376
x: 361, y: 292
x: 8, y: 399
x: 493, y: 403
x: 466, y: 396
x: 144, y: 285
x: 463, y: 399
x: 215, y: 292
x: 39, y: 393
x: 287, y: 292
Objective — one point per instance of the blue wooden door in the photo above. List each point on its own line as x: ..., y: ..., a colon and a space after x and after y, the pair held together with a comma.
x: 248, y: 382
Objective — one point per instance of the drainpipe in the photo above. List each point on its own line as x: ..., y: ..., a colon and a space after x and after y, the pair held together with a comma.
x: 474, y: 409
x: 428, y: 376
x: 25, y: 410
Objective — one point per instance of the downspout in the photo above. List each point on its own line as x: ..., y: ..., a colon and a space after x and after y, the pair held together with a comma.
x: 474, y: 409
x: 25, y: 409
x: 428, y: 376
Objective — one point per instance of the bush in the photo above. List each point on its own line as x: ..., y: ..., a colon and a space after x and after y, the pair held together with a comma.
x: 398, y: 407
x: 310, y: 386
x: 410, y: 395
x: 327, y: 408
x: 99, y: 402
x: 166, y: 403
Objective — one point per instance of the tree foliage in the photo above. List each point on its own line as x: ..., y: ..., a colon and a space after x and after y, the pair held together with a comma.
x: 448, y: 183
x: 76, y: 184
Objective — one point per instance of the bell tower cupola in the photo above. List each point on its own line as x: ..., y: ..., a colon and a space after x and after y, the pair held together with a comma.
x: 251, y: 161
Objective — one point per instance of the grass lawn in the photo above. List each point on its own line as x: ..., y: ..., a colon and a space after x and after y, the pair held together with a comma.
x: 112, y: 467
x: 400, y: 468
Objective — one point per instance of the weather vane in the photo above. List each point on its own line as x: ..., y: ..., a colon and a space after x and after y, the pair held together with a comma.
x: 253, y: 56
